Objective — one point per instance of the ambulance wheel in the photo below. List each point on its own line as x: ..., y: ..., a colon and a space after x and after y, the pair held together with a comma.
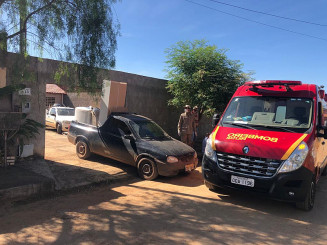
x: 309, y: 201
x: 147, y: 169
x: 82, y: 149
x: 324, y: 173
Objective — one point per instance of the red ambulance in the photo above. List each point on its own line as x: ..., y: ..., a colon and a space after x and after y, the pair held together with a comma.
x: 270, y: 140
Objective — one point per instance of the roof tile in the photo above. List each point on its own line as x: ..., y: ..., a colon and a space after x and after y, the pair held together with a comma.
x: 54, y: 89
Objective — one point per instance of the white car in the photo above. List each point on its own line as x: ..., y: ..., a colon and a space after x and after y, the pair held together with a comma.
x: 60, y: 118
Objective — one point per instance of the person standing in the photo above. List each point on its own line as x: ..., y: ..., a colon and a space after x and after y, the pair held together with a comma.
x: 186, y: 126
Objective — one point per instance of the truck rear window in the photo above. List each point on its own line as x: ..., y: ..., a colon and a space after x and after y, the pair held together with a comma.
x: 66, y: 112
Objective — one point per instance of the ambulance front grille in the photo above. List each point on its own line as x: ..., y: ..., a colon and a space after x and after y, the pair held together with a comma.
x: 246, y: 165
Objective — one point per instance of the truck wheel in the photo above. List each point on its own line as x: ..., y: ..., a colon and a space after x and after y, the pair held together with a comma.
x: 82, y: 149
x: 309, y: 201
x: 59, y: 128
x: 147, y: 169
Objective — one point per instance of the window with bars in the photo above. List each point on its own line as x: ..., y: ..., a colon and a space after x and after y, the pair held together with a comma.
x: 49, y: 101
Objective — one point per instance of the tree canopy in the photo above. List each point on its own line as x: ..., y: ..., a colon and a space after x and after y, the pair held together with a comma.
x: 202, y: 75
x: 78, y: 31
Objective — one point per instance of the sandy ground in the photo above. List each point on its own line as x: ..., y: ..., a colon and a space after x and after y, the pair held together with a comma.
x: 177, y: 210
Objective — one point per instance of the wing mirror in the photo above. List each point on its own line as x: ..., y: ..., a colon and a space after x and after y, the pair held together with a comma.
x: 129, y: 137
x: 53, y: 114
x: 215, y: 120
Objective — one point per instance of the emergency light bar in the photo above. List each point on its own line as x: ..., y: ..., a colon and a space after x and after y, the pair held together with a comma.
x: 271, y: 83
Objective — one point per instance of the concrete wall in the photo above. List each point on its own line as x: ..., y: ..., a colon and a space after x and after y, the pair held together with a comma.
x: 81, y: 99
x: 35, y: 78
x: 145, y: 95
x: 5, y: 103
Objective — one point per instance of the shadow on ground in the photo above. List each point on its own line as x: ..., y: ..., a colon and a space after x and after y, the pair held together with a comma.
x: 192, y: 179
x: 139, y: 214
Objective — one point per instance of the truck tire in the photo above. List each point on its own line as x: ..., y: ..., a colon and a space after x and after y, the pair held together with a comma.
x: 59, y: 128
x: 147, y: 169
x: 308, y: 203
x: 82, y: 149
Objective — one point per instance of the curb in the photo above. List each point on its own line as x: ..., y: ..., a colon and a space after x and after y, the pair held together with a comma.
x: 26, y: 191
x: 41, y: 191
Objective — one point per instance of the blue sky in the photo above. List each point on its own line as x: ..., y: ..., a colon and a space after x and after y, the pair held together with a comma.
x: 149, y: 27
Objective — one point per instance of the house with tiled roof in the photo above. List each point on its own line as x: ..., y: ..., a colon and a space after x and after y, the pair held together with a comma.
x: 54, y: 94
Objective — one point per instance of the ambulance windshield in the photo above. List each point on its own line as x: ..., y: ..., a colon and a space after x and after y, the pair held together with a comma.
x: 272, y: 112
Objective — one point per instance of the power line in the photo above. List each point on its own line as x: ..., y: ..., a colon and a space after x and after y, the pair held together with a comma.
x: 273, y: 15
x: 272, y: 26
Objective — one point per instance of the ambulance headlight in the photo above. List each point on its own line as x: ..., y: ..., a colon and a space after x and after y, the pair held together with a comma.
x: 209, y: 152
x: 296, y: 159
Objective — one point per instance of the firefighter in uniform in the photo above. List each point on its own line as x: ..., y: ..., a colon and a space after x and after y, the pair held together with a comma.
x: 186, y: 126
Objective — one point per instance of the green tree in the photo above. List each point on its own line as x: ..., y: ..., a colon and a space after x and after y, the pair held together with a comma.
x: 200, y: 74
x: 78, y: 31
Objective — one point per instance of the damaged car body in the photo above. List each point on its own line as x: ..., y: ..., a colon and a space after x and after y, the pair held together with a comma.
x: 134, y: 140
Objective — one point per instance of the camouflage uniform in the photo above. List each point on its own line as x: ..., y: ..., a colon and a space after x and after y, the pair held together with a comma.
x: 195, y: 114
x: 186, y: 127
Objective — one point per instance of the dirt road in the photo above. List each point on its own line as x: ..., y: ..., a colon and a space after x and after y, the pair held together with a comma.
x: 176, y: 210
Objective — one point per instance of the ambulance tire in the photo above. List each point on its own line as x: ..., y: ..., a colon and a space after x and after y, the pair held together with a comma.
x: 308, y: 203
x: 324, y: 172
x: 147, y: 169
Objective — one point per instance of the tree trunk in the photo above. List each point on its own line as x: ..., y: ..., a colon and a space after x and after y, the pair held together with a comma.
x: 22, y: 18
x: 3, y: 48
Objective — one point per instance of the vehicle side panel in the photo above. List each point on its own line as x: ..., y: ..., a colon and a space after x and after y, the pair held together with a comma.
x: 90, y: 134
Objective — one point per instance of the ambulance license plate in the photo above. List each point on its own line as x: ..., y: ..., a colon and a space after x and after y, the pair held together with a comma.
x: 242, y: 181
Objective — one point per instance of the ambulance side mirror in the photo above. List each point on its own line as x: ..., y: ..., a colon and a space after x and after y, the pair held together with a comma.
x: 215, y: 119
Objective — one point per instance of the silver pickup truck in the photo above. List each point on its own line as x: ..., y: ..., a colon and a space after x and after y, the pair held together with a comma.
x: 60, y: 118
